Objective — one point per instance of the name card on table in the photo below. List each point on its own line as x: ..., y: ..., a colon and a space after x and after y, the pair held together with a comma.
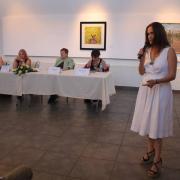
x: 5, y: 68
x: 82, y: 71
x: 54, y: 70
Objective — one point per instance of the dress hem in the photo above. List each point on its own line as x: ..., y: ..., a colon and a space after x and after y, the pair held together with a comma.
x: 152, y: 137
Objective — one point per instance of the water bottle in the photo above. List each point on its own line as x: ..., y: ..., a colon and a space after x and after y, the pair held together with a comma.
x: 101, y: 68
x: 37, y: 65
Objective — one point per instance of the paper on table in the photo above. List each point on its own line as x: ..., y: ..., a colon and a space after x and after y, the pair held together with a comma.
x: 54, y: 70
x: 5, y: 68
x: 82, y: 71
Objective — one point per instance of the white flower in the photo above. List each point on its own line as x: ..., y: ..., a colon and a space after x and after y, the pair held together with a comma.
x: 20, y: 72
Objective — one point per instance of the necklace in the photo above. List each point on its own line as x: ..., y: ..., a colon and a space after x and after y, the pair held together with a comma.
x: 152, y: 62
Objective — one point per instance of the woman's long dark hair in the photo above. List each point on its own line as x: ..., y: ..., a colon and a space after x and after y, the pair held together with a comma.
x: 160, y: 36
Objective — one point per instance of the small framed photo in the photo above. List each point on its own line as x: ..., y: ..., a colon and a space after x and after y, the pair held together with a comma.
x: 92, y: 35
x: 173, y: 34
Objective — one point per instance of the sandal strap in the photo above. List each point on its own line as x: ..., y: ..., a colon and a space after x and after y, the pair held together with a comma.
x: 153, y: 172
x: 149, y: 154
x: 156, y: 165
x: 158, y: 162
x: 144, y: 159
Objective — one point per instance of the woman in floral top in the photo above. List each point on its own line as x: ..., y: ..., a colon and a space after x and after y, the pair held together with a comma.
x: 96, y: 63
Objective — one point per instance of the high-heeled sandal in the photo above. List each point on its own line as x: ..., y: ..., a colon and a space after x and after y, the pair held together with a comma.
x: 150, y: 157
x: 155, y: 173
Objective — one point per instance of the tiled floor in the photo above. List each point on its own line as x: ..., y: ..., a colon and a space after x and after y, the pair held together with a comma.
x: 74, y: 141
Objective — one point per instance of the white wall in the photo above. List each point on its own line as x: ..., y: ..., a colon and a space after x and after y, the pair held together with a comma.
x: 43, y: 28
x: 1, y: 42
x: 45, y: 35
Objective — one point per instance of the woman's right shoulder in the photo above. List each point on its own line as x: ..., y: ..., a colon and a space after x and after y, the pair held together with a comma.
x: 171, y: 52
x: 170, y: 48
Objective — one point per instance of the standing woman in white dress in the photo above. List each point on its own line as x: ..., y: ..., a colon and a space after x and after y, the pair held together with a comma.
x: 153, y: 115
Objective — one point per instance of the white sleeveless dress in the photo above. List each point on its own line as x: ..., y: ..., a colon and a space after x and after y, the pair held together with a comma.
x: 153, y: 115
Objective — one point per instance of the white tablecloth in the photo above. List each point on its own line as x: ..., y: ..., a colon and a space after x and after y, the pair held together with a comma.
x: 95, y: 86
x: 10, y: 84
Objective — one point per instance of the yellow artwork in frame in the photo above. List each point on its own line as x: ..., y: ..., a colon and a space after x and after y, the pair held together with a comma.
x: 92, y: 35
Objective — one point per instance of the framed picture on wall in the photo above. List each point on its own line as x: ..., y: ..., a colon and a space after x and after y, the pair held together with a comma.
x: 173, y: 34
x: 92, y: 35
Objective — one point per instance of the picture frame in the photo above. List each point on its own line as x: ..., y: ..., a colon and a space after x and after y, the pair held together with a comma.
x: 173, y: 34
x: 92, y: 35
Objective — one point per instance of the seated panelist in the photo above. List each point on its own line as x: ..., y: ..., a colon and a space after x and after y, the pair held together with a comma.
x: 1, y: 61
x: 65, y: 63
x: 96, y: 63
x: 22, y: 58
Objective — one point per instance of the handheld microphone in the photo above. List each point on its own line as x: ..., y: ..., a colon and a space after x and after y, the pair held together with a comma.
x: 141, y: 55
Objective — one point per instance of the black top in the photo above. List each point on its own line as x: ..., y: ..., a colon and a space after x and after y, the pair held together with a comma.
x: 61, y: 65
x: 92, y: 68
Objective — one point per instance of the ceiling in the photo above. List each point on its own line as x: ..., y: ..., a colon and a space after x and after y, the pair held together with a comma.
x: 41, y: 7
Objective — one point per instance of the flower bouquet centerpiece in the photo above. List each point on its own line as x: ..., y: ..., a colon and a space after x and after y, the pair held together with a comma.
x: 23, y: 69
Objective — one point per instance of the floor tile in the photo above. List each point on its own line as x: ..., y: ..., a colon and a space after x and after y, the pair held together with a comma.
x: 75, y: 141
x: 92, y: 169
